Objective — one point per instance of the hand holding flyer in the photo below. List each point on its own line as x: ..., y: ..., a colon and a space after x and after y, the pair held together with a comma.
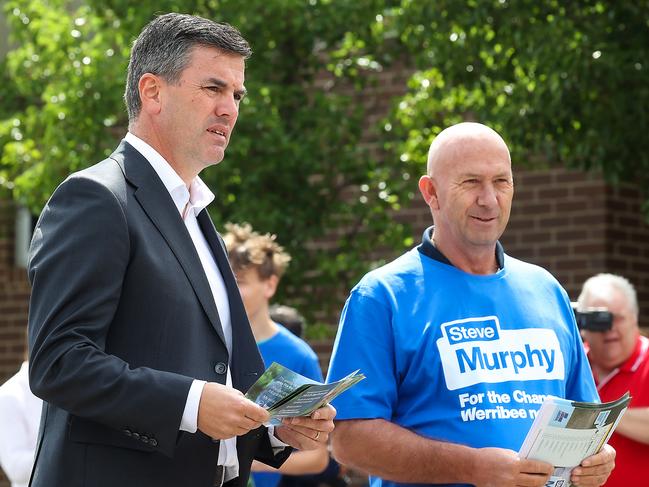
x: 287, y: 394
x: 565, y: 432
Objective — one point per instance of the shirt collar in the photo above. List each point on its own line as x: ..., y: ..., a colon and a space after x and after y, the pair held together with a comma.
x: 632, y: 363
x: 196, y: 198
x: 428, y: 249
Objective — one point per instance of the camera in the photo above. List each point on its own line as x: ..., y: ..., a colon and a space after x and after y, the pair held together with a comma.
x: 593, y: 319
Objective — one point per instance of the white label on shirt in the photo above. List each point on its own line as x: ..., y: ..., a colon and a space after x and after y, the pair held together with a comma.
x: 476, y: 350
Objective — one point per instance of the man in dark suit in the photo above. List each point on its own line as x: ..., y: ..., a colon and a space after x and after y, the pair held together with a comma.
x: 140, y: 342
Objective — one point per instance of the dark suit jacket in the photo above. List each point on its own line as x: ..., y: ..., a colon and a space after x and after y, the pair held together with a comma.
x: 121, y: 321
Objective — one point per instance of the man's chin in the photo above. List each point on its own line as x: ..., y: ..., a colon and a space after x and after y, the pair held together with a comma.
x: 484, y: 240
x: 214, y: 158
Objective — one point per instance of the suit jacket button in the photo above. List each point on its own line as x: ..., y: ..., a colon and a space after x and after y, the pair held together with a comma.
x: 153, y: 442
x: 127, y: 432
x: 220, y: 368
x: 144, y: 439
x: 136, y: 436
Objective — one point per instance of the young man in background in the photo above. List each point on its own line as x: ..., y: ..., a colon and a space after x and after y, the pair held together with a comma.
x: 259, y: 262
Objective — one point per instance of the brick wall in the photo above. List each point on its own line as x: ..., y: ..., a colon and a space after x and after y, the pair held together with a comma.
x: 558, y: 221
x: 14, y: 298
x: 575, y: 225
x: 627, y: 243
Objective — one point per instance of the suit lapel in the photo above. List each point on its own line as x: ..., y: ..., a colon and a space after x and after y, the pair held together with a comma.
x: 247, y: 363
x: 160, y: 208
x: 219, y: 252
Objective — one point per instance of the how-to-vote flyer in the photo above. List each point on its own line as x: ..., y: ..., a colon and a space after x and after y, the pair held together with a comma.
x: 565, y: 432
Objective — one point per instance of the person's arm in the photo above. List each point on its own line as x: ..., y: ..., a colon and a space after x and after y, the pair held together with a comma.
x: 78, y: 259
x: 17, y: 461
x: 16, y: 449
x: 299, y: 463
x: 635, y: 425
x: 400, y: 455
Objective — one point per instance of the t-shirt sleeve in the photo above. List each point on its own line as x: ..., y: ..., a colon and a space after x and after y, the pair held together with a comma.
x: 311, y: 366
x: 580, y: 385
x: 365, y: 341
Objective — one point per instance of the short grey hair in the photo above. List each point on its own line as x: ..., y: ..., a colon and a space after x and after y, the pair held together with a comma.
x: 165, y: 44
x: 599, y: 282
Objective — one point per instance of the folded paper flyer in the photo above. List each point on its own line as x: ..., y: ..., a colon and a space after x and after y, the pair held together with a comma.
x: 565, y: 432
x: 287, y: 394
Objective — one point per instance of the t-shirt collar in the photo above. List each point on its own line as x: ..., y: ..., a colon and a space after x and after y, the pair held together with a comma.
x: 429, y: 250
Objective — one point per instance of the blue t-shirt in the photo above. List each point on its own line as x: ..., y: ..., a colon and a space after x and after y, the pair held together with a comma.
x: 458, y: 357
x: 290, y: 351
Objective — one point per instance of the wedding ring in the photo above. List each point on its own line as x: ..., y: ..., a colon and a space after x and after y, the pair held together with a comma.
x: 317, y: 435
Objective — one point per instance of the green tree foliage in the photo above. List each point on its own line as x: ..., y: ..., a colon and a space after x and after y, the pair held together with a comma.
x: 564, y: 82
x: 296, y: 166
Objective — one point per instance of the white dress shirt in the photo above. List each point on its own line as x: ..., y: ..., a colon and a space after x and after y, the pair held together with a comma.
x: 190, y: 202
x: 20, y: 415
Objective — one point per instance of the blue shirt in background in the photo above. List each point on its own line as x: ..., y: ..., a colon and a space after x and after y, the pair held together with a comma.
x: 290, y: 351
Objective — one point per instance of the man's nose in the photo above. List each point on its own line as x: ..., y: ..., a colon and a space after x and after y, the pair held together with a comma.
x: 488, y: 195
x: 227, y: 107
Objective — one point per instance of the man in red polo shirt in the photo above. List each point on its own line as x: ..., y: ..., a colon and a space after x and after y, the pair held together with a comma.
x: 619, y: 358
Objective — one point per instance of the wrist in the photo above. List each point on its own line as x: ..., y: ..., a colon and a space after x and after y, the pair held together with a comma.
x: 276, y: 433
x: 472, y: 466
x: 455, y: 464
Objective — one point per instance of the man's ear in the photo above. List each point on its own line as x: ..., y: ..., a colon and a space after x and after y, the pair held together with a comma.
x: 428, y: 191
x: 270, y: 286
x: 150, y: 87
